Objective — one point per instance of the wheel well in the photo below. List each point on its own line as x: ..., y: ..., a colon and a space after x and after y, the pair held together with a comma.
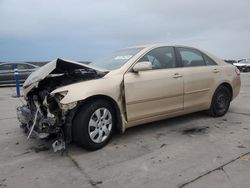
x: 227, y: 85
x: 113, y: 103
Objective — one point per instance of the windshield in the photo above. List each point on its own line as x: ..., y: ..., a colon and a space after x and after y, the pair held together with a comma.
x: 116, y: 59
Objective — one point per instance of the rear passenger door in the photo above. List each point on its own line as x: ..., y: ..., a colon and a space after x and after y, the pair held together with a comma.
x: 199, y: 78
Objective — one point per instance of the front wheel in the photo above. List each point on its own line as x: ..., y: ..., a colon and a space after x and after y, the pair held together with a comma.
x: 93, y: 125
x: 220, y: 102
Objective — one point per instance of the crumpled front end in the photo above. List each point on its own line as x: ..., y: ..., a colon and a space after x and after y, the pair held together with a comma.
x: 40, y: 125
x: 37, y: 120
x: 43, y: 116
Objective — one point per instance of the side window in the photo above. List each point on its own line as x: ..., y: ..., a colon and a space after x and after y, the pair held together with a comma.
x: 30, y: 67
x: 209, y: 61
x: 191, y: 57
x: 161, y: 58
x: 6, y: 67
x: 22, y: 66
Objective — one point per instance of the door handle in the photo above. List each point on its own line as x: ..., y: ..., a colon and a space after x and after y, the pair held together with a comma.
x: 216, y: 71
x: 177, y: 75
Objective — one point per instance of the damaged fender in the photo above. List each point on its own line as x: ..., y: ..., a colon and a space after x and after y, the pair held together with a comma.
x: 54, y: 92
x: 79, y: 92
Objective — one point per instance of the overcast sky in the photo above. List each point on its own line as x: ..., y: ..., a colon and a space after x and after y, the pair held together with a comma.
x: 87, y: 29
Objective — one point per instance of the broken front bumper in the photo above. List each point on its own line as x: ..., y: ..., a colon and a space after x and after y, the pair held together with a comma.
x: 39, y: 126
x: 24, y: 115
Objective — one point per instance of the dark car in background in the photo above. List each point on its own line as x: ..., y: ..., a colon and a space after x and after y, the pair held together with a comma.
x: 7, y: 76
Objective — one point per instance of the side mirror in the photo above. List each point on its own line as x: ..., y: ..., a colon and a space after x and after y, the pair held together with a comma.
x: 142, y: 66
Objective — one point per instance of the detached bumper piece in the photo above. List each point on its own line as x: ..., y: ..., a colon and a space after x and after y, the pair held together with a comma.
x: 39, y: 126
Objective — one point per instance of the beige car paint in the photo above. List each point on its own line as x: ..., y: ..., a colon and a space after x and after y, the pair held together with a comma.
x: 155, y: 92
x: 153, y: 95
x: 198, y: 83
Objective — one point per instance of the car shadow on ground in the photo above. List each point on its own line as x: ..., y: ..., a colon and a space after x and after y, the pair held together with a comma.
x: 174, y: 122
x: 153, y: 130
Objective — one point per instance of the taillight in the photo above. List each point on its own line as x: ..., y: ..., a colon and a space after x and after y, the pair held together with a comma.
x: 237, y: 71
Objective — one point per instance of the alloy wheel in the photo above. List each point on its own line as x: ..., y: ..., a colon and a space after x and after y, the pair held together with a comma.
x: 100, y: 125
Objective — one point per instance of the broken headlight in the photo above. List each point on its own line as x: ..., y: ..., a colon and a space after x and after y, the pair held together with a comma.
x: 61, y: 95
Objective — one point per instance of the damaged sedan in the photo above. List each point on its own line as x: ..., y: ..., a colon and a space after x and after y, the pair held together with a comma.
x: 69, y: 102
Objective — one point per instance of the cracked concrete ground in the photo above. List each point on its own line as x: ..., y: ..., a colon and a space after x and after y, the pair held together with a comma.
x: 189, y: 151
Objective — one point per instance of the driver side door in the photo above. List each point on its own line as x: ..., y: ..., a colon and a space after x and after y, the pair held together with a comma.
x: 155, y: 92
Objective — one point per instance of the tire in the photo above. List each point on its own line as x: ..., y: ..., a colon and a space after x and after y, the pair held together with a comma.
x: 220, y: 102
x: 93, y: 125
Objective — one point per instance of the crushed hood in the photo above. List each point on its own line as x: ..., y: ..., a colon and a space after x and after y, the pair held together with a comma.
x: 57, y: 66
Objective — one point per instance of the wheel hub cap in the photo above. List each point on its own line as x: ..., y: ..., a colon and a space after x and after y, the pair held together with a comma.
x: 100, y: 125
x: 222, y: 101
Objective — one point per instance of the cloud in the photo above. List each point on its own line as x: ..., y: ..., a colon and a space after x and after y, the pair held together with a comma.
x: 86, y: 29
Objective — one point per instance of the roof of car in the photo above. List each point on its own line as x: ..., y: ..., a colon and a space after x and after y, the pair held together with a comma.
x: 159, y: 45
x: 4, y: 63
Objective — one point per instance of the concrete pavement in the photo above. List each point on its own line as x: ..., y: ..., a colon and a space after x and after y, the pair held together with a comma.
x: 189, y: 151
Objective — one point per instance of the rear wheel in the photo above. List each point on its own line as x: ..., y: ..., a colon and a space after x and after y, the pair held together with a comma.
x: 93, y: 125
x: 220, y: 102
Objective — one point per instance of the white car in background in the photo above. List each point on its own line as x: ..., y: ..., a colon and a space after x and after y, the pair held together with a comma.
x: 243, y: 65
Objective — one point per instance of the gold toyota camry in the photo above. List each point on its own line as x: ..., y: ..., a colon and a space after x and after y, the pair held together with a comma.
x: 68, y: 101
